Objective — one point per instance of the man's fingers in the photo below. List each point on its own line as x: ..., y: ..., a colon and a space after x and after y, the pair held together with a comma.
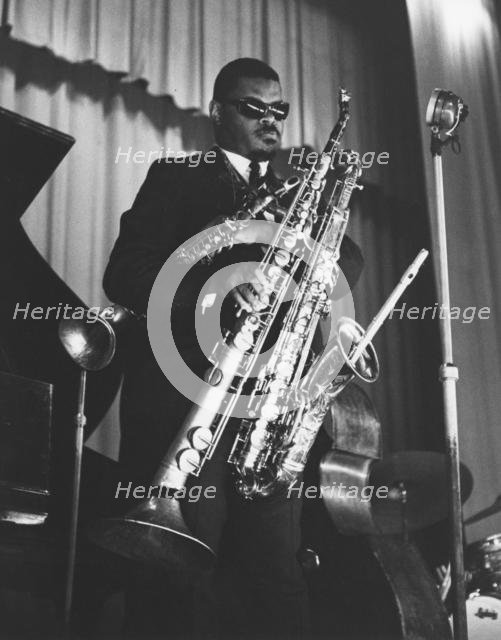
x: 240, y: 300
x: 257, y: 286
x: 263, y: 280
x: 255, y: 295
x: 262, y: 293
x: 252, y: 296
x: 248, y: 300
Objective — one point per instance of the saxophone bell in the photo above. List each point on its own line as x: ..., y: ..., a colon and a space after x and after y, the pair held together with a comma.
x: 349, y: 336
x: 155, y: 533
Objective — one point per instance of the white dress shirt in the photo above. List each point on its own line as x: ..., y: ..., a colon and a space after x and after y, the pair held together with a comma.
x: 242, y: 164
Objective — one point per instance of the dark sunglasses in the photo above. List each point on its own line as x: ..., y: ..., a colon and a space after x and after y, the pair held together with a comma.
x: 254, y: 108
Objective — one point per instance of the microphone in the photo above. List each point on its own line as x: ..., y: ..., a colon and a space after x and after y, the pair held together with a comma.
x: 445, y: 112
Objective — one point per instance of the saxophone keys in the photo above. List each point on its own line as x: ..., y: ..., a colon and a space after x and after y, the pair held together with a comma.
x: 200, y: 438
x: 213, y: 376
x: 275, y: 386
x: 285, y: 369
x: 252, y: 321
x: 281, y: 257
x: 258, y: 439
x: 269, y: 412
x: 326, y: 308
x: 188, y: 460
x: 243, y: 342
x: 273, y: 274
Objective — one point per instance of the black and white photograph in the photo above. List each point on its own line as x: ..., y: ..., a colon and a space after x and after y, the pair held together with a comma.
x: 250, y: 336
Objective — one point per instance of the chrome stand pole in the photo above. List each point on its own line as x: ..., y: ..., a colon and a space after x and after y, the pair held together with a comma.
x: 448, y: 376
x: 80, y: 421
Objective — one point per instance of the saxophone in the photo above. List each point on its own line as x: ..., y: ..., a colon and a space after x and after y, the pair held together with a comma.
x: 271, y: 447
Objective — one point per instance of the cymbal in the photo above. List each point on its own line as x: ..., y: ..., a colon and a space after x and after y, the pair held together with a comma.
x: 485, y: 513
x: 417, y: 490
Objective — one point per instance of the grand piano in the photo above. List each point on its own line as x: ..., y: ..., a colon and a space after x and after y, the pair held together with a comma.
x: 38, y: 380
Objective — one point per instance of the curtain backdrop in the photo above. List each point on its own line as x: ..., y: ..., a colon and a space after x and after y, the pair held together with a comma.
x: 457, y: 47
x: 176, y: 47
x: 65, y: 64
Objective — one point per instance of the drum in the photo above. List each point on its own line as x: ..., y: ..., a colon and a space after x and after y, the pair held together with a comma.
x: 483, y: 561
x: 483, y: 614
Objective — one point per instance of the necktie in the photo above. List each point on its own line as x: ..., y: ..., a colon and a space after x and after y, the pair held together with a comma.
x: 254, y: 175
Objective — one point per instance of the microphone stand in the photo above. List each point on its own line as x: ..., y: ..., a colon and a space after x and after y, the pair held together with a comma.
x: 446, y: 110
x: 91, y: 345
x: 80, y: 421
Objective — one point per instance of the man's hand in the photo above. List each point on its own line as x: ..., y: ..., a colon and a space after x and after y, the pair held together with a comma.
x: 254, y: 295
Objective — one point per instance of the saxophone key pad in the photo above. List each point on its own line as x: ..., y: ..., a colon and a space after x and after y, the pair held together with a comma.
x: 273, y: 272
x: 269, y: 412
x: 251, y: 321
x: 188, y: 460
x: 281, y: 258
x: 243, y: 342
x: 285, y: 369
x: 275, y: 386
x: 258, y: 438
x: 213, y: 376
x: 200, y: 438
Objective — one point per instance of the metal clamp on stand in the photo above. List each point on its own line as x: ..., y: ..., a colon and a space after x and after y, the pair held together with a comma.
x: 448, y: 372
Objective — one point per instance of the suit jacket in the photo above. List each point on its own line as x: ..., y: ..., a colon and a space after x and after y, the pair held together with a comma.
x: 175, y: 202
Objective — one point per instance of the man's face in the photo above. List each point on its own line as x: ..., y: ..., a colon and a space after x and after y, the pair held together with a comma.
x: 256, y: 139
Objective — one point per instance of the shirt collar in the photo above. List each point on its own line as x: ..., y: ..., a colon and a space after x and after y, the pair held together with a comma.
x: 242, y: 164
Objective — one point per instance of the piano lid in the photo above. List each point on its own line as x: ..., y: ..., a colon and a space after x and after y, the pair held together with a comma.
x: 30, y: 153
x: 30, y: 347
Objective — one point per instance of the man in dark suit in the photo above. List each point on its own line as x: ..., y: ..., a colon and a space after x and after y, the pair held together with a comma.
x: 175, y: 202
